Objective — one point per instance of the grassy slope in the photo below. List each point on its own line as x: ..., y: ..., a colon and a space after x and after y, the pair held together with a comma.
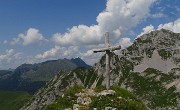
x: 12, y: 100
x: 127, y: 100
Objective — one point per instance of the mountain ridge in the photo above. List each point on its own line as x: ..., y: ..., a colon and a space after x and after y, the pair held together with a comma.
x: 31, y: 77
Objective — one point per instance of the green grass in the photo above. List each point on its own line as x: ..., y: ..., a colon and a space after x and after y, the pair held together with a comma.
x: 137, y: 58
x: 165, y: 54
x: 87, y: 76
x: 153, y: 90
x: 13, y: 100
x: 67, y: 101
x: 128, y: 101
x: 122, y: 100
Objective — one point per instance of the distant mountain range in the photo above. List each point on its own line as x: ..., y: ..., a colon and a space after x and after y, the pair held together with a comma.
x: 31, y: 77
x: 5, y: 74
x: 78, y: 61
x: 149, y: 68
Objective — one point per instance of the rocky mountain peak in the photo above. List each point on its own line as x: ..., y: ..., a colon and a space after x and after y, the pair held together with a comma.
x: 157, y: 49
x: 78, y: 61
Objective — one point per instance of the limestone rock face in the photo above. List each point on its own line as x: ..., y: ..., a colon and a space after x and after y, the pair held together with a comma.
x: 63, y: 81
x: 52, y: 91
x: 159, y: 50
x: 155, y: 62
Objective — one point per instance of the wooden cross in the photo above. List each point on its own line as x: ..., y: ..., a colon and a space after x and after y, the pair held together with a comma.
x: 107, y: 49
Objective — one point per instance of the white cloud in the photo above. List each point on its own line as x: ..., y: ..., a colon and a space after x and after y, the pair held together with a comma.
x: 57, y: 51
x: 50, y: 53
x: 90, y: 57
x: 87, y: 53
x: 118, y: 17
x: 9, y: 59
x: 125, y: 42
x: 79, y: 35
x: 123, y: 14
x: 31, y: 36
x: 70, y: 52
x: 7, y: 56
x: 146, y: 30
x: 173, y: 26
x: 15, y: 41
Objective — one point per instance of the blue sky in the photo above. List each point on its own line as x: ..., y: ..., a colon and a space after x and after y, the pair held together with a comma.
x: 33, y: 31
x: 49, y: 16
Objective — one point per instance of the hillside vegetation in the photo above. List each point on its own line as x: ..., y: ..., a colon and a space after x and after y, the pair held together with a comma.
x: 13, y: 100
x: 121, y: 100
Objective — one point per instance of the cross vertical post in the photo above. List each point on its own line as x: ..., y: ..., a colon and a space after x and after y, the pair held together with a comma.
x: 108, y: 50
x: 107, y: 61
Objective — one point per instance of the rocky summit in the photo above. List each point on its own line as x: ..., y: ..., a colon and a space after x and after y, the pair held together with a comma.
x: 78, y: 98
x: 149, y: 69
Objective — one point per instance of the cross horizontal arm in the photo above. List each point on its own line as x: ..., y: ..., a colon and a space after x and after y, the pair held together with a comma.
x: 108, y: 49
x: 115, y: 48
x: 101, y: 50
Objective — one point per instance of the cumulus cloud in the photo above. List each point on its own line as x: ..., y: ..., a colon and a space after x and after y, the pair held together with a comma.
x: 125, y: 42
x: 57, y: 52
x: 173, y: 26
x: 9, y: 57
x: 79, y: 35
x: 118, y: 17
x: 50, y: 53
x: 146, y: 30
x: 90, y: 57
x: 87, y: 53
x: 31, y: 36
x: 123, y: 14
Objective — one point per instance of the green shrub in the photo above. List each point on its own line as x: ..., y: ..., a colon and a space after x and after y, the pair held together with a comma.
x: 165, y: 54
